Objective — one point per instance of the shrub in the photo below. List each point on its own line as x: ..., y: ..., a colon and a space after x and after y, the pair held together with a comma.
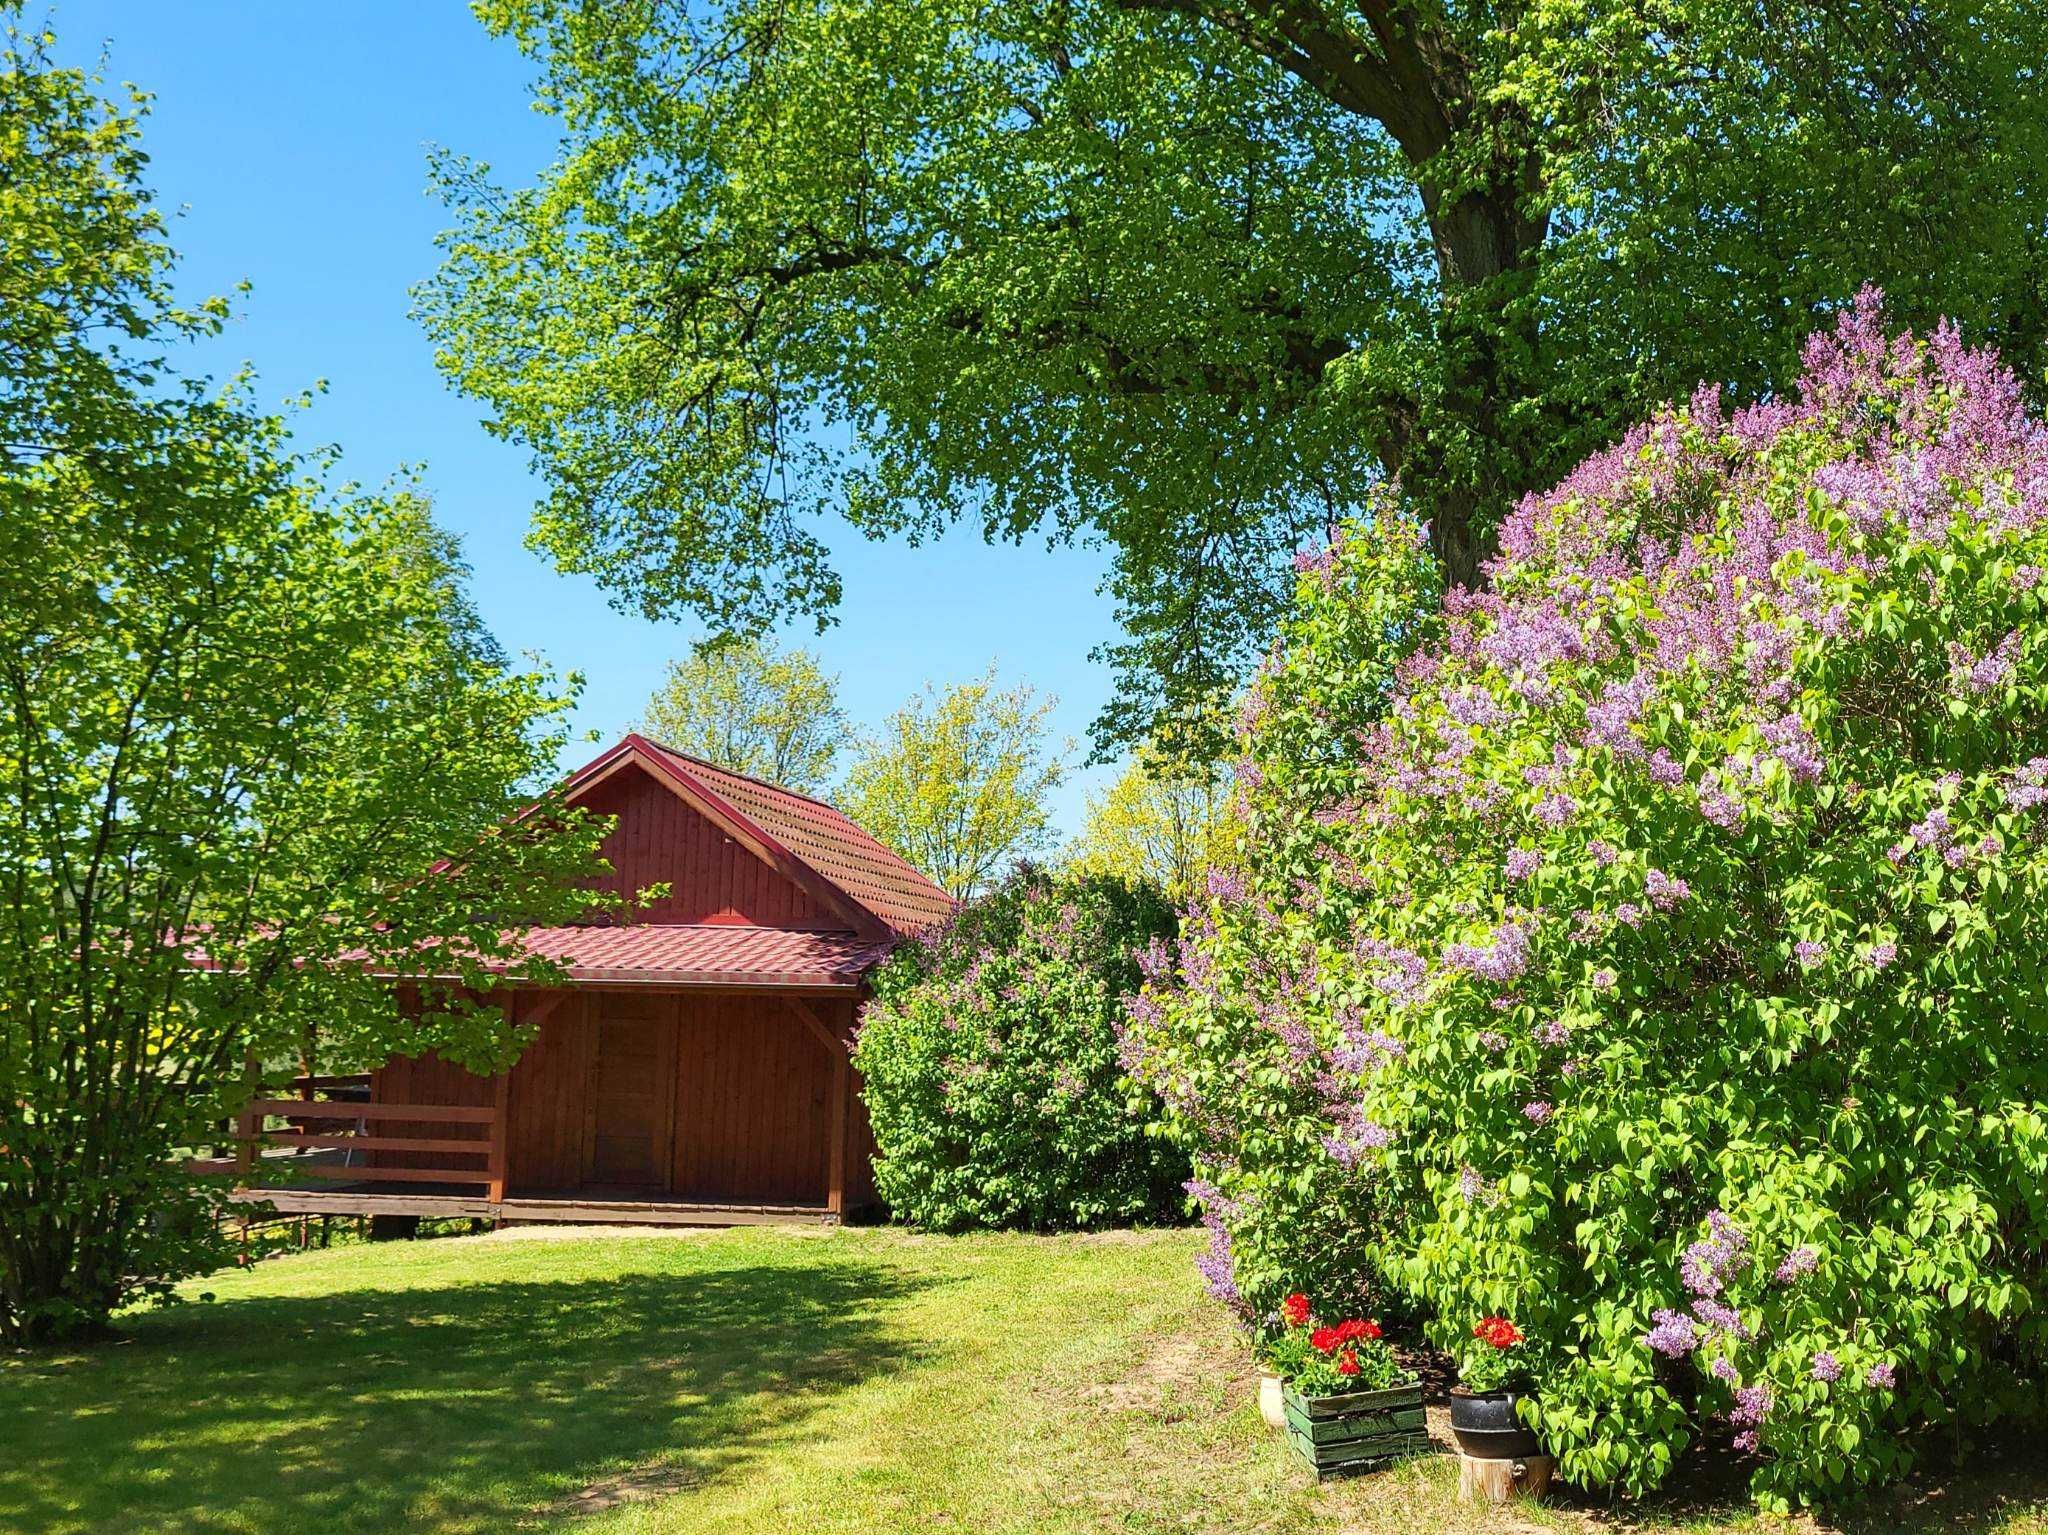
x: 990, y: 1070
x: 1664, y: 968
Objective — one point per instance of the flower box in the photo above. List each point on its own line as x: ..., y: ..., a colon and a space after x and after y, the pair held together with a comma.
x: 1358, y: 1431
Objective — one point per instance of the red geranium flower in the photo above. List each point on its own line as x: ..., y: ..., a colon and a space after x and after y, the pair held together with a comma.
x: 1497, y: 1332
x: 1323, y: 1340
x: 1348, y: 1365
x: 1295, y: 1309
x: 1354, y: 1329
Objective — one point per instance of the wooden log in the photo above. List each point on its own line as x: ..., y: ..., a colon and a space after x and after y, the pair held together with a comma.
x: 1497, y: 1481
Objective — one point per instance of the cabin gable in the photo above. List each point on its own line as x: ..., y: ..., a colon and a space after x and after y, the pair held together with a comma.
x: 713, y: 878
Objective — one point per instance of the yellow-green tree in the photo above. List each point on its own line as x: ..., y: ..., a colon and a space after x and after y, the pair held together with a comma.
x: 754, y: 708
x: 1158, y: 821
x: 958, y: 780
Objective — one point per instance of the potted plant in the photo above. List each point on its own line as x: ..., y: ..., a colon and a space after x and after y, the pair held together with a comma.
x: 1483, y: 1417
x: 1294, y: 1312
x: 1348, y: 1404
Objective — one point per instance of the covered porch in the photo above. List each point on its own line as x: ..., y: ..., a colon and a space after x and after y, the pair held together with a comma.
x: 641, y: 1102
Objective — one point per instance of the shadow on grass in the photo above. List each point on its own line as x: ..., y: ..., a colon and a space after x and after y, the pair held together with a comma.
x: 1981, y: 1491
x: 444, y: 1409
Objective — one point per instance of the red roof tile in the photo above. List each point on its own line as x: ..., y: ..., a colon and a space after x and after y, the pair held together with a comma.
x: 709, y: 954
x: 825, y: 840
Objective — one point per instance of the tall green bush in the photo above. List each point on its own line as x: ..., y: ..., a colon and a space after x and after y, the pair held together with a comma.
x: 989, y: 1063
x: 1663, y: 970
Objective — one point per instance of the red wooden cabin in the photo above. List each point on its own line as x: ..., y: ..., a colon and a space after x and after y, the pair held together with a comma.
x: 694, y: 1069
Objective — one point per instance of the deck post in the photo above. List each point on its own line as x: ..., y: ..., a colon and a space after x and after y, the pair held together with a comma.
x: 247, y: 1123
x: 501, y: 1113
x: 835, y: 1177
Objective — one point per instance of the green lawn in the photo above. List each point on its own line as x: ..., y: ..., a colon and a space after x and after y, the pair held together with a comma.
x: 763, y: 1382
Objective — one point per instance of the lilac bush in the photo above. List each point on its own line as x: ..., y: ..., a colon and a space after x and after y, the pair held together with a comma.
x: 1651, y: 945
x: 989, y: 1062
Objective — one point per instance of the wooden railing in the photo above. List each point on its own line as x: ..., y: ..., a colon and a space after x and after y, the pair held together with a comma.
x: 475, y: 1155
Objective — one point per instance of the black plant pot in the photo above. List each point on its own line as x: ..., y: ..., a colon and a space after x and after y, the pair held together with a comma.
x: 1486, y: 1427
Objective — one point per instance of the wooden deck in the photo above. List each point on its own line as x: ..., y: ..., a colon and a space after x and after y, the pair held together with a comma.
x: 571, y: 1205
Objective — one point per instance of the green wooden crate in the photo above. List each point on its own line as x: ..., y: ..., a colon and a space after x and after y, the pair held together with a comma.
x: 1362, y: 1431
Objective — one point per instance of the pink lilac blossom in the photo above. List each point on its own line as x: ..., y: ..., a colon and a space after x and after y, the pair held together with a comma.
x: 1493, y: 1041
x: 1880, y: 956
x: 1881, y: 1377
x: 1605, y: 980
x: 1604, y: 853
x: 1537, y: 1112
x: 1809, y: 953
x: 1723, y: 1369
x: 1555, y: 1033
x: 1523, y: 862
x: 1826, y: 1366
x: 1556, y: 809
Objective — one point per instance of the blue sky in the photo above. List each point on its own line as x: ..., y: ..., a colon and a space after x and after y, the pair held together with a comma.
x: 294, y: 137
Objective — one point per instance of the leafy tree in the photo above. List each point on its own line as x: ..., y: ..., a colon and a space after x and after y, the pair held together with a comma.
x: 750, y: 707
x: 988, y: 1061
x: 1664, y: 970
x: 245, y: 720
x: 958, y: 781
x: 1158, y: 822
x: 1188, y: 276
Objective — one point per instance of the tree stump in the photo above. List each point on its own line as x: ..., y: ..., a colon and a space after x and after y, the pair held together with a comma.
x: 1496, y: 1481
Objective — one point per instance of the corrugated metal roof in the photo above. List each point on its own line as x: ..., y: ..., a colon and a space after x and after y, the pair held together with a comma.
x: 827, y: 841
x: 708, y: 954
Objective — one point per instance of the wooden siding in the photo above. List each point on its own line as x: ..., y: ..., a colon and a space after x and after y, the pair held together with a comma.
x: 731, y: 1094
x: 660, y: 839
x: 754, y: 1106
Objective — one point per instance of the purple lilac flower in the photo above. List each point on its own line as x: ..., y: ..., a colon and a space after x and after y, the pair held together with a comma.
x: 1744, y: 1443
x: 1752, y: 1406
x: 1880, y: 956
x: 1798, y: 1263
x: 1664, y: 890
x: 1555, y: 809
x: 1226, y: 885
x: 1720, y: 1317
x: 1881, y: 1377
x: 2027, y: 787
x: 1992, y: 670
x: 1501, y: 960
x: 1536, y: 1111
x: 1826, y: 1366
x: 1795, y: 745
x: 1555, y: 1033
x: 1674, y: 1335
x: 1809, y: 953
x: 1709, y: 1261
x: 1628, y: 914
x: 1523, y: 862
x: 1604, y: 853
x: 1470, y: 1183
x: 1666, y: 769
x: 1493, y: 1041
x: 1720, y: 807
x: 1604, y: 980
x: 1723, y: 1369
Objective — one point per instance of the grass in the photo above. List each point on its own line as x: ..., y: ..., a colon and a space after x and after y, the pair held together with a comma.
x: 750, y: 1382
